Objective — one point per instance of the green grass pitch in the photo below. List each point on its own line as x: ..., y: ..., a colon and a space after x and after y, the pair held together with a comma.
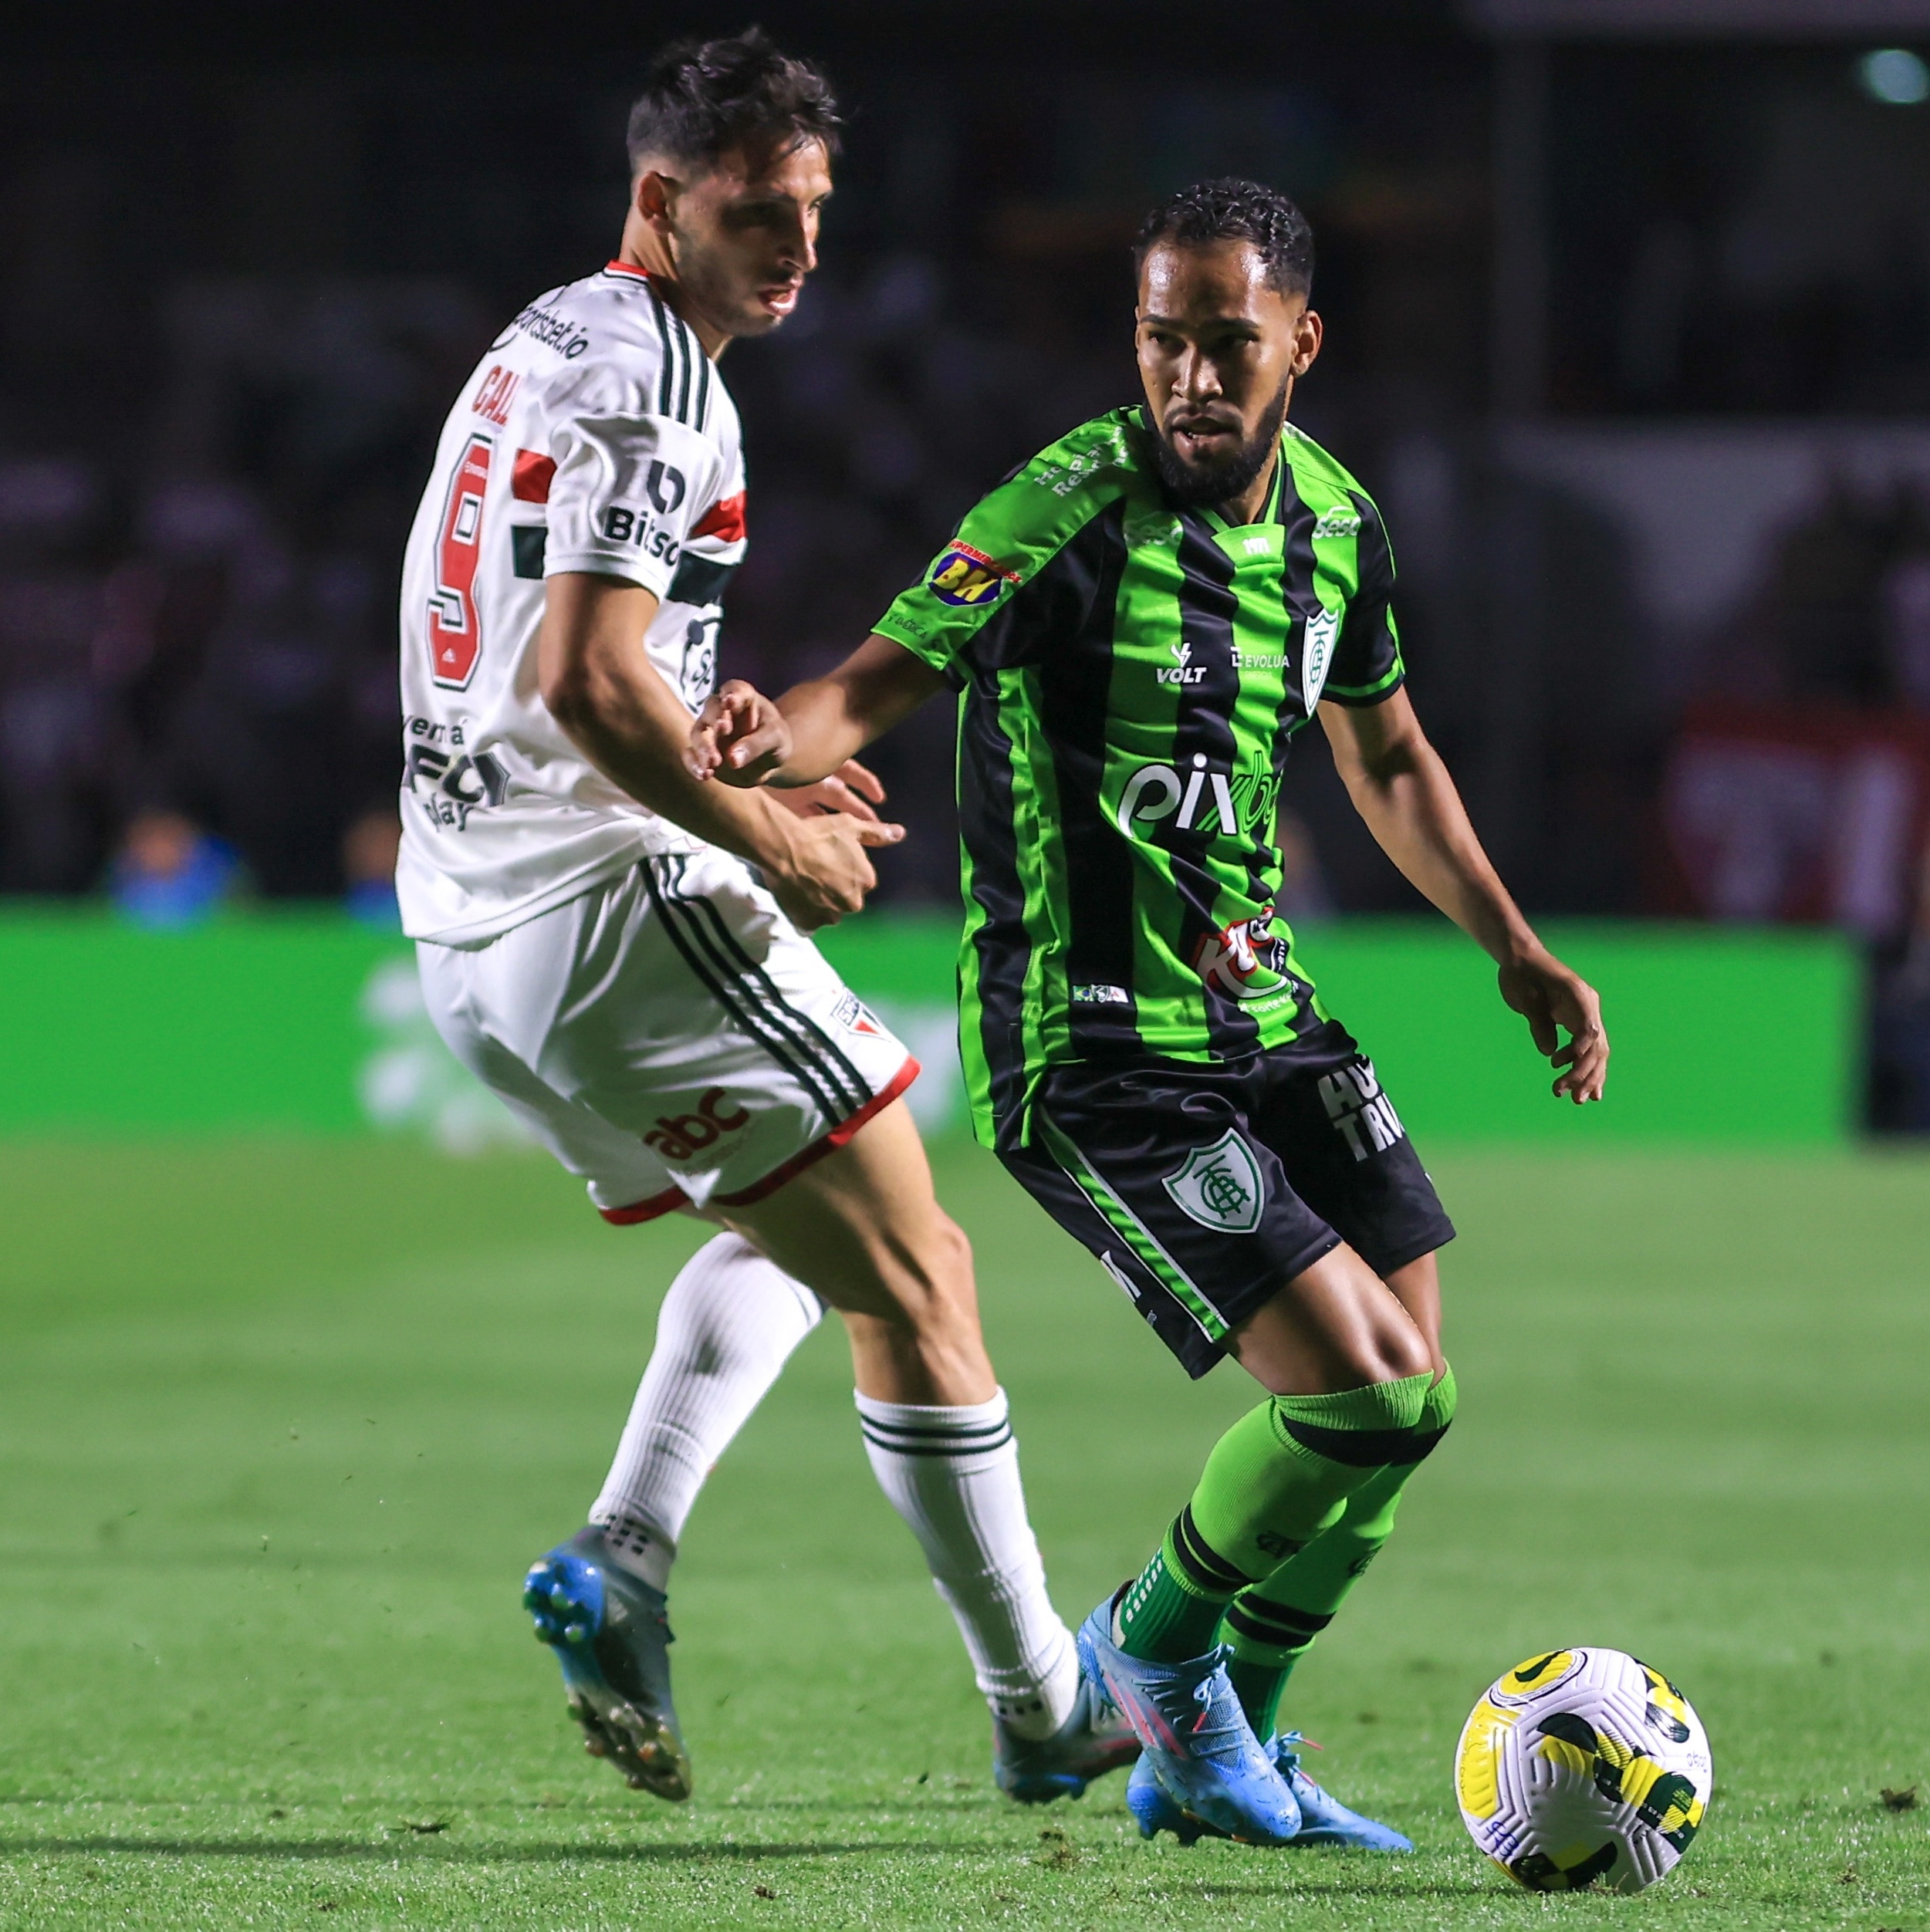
x: 282, y: 1425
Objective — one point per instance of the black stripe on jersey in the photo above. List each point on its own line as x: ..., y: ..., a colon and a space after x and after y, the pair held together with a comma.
x: 1302, y: 600
x: 731, y: 994
x: 1075, y: 679
x: 987, y: 821
x: 703, y: 389
x: 810, y: 1038
x: 1203, y: 741
x: 664, y: 367
x: 699, y: 581
x: 687, y: 348
x: 1297, y: 594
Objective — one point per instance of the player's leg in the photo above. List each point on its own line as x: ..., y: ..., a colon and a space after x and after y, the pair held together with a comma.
x: 730, y: 1320
x: 1164, y: 1177
x: 723, y: 1064
x: 1271, y: 1627
x: 864, y: 1229
x: 1347, y: 1154
x: 608, y: 1626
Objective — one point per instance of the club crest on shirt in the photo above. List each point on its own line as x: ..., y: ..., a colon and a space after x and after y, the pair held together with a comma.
x: 1221, y: 1186
x: 1316, y: 654
x: 855, y: 1017
x: 968, y: 578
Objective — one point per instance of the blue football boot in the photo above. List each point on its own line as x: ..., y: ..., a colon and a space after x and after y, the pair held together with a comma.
x: 1092, y: 1740
x: 613, y: 1639
x: 1324, y: 1820
x: 1195, y: 1737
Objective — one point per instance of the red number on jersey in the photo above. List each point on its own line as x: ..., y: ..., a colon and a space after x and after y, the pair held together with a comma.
x: 455, y: 642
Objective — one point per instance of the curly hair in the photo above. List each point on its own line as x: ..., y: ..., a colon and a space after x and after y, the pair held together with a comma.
x: 702, y: 98
x: 1233, y: 209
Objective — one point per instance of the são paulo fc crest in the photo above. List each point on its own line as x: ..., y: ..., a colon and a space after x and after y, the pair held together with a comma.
x: 1220, y: 1187
x: 968, y: 577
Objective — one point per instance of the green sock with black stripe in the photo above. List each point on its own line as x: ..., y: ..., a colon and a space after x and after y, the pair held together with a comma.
x: 1275, y: 1481
x: 1272, y: 1625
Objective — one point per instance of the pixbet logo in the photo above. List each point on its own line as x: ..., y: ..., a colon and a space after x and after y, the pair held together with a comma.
x: 681, y: 1137
x: 1155, y: 792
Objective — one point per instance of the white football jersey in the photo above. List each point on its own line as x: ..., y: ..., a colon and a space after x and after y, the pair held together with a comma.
x: 595, y: 435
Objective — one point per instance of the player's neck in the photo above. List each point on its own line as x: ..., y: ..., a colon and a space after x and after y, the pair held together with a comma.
x: 1246, y: 507
x: 642, y: 247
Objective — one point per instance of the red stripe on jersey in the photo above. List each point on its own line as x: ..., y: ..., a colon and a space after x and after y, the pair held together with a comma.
x: 725, y: 521
x: 627, y: 268
x: 529, y: 480
x: 667, y: 1203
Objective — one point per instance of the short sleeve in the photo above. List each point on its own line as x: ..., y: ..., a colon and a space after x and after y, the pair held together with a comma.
x: 626, y: 492
x: 1020, y: 566
x: 1367, y: 665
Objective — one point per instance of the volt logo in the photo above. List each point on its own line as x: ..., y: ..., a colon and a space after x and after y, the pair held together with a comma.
x: 1155, y: 793
x: 1183, y: 672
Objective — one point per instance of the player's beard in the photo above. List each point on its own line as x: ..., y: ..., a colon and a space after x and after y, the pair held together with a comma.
x: 1226, y: 476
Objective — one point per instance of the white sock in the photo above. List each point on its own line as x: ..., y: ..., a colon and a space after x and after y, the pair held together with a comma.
x: 727, y: 1327
x: 953, y: 1475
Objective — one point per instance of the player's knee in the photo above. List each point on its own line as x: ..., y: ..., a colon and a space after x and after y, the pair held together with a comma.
x: 1394, y: 1351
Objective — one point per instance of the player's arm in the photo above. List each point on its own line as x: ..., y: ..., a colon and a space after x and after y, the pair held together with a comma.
x: 1400, y: 786
x: 745, y: 738
x: 599, y: 684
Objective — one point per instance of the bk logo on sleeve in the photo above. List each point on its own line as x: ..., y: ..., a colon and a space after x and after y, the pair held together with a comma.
x: 968, y: 577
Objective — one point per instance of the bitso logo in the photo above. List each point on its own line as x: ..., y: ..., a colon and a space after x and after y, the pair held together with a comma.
x: 681, y: 1137
x: 1220, y: 1187
x: 967, y: 578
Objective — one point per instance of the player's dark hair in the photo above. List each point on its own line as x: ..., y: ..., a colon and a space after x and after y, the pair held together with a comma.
x: 704, y: 97
x: 1233, y: 209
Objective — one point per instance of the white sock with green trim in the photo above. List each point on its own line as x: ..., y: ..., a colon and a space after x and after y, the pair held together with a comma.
x: 728, y: 1325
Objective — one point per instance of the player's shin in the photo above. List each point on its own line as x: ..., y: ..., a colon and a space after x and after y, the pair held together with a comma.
x: 727, y: 1327
x: 1272, y: 1625
x: 952, y: 1473
x: 1278, y: 1478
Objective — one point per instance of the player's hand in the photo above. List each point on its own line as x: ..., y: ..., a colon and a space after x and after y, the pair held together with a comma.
x: 825, y: 873
x: 740, y: 736
x: 853, y: 789
x: 1549, y: 996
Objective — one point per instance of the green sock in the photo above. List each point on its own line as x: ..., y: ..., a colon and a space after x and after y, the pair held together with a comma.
x: 1275, y: 1479
x: 1272, y: 1625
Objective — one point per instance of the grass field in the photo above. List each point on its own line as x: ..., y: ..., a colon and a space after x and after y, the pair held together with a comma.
x: 281, y: 1425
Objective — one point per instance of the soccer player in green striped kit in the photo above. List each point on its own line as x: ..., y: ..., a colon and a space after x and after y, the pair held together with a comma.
x: 1137, y: 623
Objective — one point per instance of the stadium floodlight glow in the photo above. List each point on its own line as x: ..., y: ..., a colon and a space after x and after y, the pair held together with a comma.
x: 1895, y: 76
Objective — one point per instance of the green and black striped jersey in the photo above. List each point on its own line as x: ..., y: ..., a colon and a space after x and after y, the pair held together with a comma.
x: 1130, y: 672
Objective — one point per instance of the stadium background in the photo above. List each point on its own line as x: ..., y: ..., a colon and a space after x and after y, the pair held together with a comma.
x: 1629, y: 331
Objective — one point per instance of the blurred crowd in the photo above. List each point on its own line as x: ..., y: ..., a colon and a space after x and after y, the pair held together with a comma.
x: 220, y: 383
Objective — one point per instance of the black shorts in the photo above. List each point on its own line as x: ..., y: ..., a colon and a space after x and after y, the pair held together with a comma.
x: 1203, y: 1188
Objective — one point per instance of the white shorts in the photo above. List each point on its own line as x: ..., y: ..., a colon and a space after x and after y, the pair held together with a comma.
x: 670, y: 1035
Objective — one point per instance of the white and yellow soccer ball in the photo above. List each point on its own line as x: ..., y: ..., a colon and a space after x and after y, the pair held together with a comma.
x: 1581, y: 1768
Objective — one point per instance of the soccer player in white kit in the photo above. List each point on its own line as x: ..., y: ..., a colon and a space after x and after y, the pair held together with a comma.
x: 618, y: 950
